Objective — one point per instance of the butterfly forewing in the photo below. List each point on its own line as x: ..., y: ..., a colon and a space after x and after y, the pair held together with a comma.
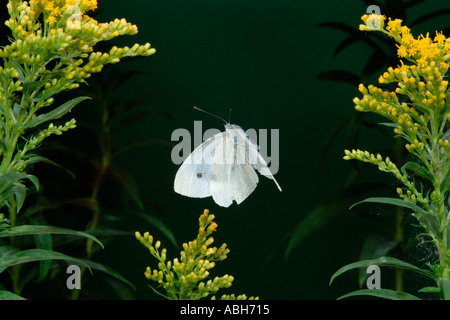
x: 193, y: 177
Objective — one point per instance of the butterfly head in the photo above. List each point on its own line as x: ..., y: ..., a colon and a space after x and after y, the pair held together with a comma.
x: 229, y: 126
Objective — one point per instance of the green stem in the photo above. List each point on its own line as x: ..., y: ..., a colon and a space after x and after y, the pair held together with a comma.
x: 398, y: 147
x: 105, y: 164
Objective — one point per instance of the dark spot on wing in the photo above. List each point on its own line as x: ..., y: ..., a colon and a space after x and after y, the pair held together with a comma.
x: 199, y: 175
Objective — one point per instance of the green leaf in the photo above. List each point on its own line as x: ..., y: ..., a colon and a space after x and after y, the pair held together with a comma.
x: 444, y: 286
x: 34, y: 180
x: 159, y: 225
x: 383, y: 261
x: 6, y: 251
x: 6, y: 295
x: 43, y: 241
x: 381, y: 293
x: 107, y: 270
x: 324, y: 212
x: 429, y: 16
x: 29, y: 86
x: 313, y: 221
x: 11, y: 258
x: 418, y: 169
x: 107, y: 232
x: 429, y: 290
x: 55, y: 113
x: 33, y: 229
x: 20, y: 193
x: 129, y: 185
x: 430, y: 222
x: 7, y: 180
x: 388, y: 124
x: 395, y: 202
x: 374, y: 246
x: 35, y: 159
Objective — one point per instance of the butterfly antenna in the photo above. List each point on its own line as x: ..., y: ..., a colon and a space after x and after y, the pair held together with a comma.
x: 211, y: 114
x: 229, y: 116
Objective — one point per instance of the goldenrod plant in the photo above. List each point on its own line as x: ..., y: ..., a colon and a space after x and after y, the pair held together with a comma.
x: 51, y: 50
x: 418, y: 109
x: 188, y: 277
x: 381, y: 53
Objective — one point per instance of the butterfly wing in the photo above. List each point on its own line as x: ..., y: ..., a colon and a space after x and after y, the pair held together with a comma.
x: 231, y: 177
x: 193, y: 177
x: 254, y: 158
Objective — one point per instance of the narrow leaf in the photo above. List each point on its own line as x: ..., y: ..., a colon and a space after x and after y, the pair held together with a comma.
x: 382, y: 261
x: 8, y: 179
x: 429, y: 290
x: 32, y: 229
x: 14, y: 258
x: 6, y: 251
x: 159, y: 225
x: 129, y: 185
x: 35, y: 159
x: 20, y: 193
x: 43, y: 241
x: 29, y: 86
x: 381, y: 293
x: 6, y: 295
x: 324, y: 212
x: 418, y: 169
x: 55, y: 113
x: 429, y: 16
x: 430, y: 222
x: 34, y: 180
x: 374, y: 246
x: 395, y: 202
x: 104, y: 268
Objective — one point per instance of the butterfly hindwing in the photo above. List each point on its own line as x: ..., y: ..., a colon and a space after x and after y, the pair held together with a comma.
x: 232, y: 178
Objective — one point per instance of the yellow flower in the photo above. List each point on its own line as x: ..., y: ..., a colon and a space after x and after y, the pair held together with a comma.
x: 48, y: 6
x: 56, y: 11
x: 394, y: 26
x: 440, y: 38
x: 402, y: 51
x: 51, y: 20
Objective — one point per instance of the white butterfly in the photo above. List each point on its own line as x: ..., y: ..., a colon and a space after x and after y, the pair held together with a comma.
x: 223, y: 167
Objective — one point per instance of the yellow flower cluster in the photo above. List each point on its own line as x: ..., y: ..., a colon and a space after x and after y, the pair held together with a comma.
x: 51, y: 50
x: 421, y: 81
x: 71, y: 49
x: 184, y: 277
x: 386, y: 165
x: 53, y: 10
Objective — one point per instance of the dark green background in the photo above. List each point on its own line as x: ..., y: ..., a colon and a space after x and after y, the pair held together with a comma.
x: 262, y: 59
